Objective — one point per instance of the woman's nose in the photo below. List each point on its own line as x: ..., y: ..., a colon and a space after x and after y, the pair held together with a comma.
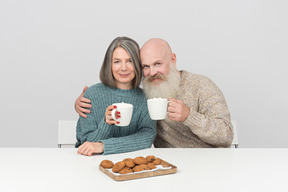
x: 123, y: 66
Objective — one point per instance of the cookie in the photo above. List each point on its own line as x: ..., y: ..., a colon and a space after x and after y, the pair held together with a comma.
x: 157, y: 161
x: 138, y: 168
x: 107, y: 164
x: 126, y: 170
x: 145, y: 167
x: 140, y: 160
x: 118, y: 166
x: 150, y: 158
x: 129, y: 162
x: 151, y: 166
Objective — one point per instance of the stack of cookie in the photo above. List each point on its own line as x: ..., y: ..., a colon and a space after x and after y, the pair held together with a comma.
x: 130, y: 165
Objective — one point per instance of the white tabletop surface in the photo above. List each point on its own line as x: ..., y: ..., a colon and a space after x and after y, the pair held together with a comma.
x: 45, y: 169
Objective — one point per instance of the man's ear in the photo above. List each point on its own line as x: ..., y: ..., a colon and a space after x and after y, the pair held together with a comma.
x: 173, y: 58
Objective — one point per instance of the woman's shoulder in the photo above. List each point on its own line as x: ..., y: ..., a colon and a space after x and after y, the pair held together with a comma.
x: 139, y: 91
x: 135, y: 95
x: 97, y: 86
x: 140, y: 97
x: 96, y: 89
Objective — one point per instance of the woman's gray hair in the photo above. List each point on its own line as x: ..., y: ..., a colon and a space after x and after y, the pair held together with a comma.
x: 132, y: 48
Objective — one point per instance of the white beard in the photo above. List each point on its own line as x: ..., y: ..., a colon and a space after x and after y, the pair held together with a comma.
x: 167, y: 88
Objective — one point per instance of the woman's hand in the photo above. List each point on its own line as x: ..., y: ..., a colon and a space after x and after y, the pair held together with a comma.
x: 89, y: 148
x: 109, y: 120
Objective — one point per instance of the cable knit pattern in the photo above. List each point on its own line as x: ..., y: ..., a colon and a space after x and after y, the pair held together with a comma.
x: 208, y: 124
x: 139, y: 134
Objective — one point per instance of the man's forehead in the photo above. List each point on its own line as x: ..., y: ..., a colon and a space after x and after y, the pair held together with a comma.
x: 152, y: 53
x: 151, y: 57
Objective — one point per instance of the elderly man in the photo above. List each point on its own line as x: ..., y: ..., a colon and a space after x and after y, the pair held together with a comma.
x: 198, y: 115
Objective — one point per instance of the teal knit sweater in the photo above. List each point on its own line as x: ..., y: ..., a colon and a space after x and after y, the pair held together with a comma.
x: 139, y: 134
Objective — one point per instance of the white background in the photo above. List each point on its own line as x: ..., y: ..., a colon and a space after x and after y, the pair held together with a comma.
x: 49, y: 50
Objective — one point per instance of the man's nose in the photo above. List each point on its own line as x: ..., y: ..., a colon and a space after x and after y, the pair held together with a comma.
x: 153, y: 71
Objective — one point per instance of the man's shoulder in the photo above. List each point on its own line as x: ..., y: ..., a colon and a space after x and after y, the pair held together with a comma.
x: 196, y: 82
x: 193, y: 77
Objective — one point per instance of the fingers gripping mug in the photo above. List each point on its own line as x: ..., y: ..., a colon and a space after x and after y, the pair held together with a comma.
x: 157, y: 108
x: 126, y: 111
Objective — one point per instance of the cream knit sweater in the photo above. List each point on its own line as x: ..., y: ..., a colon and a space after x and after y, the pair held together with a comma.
x: 208, y: 124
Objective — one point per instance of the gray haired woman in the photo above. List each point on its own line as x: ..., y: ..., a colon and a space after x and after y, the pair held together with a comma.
x: 120, y: 74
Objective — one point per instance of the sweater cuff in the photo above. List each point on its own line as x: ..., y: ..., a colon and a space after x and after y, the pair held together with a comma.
x: 194, y: 120
x: 111, y: 148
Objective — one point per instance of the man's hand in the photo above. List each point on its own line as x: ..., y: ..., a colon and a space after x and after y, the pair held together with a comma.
x: 178, y: 111
x: 82, y: 103
x: 90, y: 148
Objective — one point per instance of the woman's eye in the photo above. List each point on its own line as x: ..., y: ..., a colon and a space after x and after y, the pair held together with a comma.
x: 116, y: 61
x: 130, y: 61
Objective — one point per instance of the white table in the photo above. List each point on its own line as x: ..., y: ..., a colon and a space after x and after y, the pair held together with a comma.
x: 43, y: 169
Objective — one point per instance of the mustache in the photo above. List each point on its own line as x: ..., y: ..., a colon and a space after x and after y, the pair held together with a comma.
x: 156, y: 76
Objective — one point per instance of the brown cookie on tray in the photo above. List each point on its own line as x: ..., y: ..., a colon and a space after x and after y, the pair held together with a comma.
x: 145, y: 167
x: 157, y: 161
x: 150, y: 158
x: 129, y: 162
x: 138, y: 168
x: 126, y: 170
x: 151, y: 166
x: 118, y: 166
x: 140, y: 160
x: 107, y: 164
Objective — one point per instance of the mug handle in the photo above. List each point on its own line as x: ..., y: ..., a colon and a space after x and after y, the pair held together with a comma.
x: 167, y: 107
x: 113, y: 115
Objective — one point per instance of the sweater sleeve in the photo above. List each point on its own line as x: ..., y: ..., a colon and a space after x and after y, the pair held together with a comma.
x: 141, y: 139
x: 88, y: 129
x: 211, y: 123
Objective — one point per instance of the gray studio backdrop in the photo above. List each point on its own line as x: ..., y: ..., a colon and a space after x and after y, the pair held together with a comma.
x: 49, y: 50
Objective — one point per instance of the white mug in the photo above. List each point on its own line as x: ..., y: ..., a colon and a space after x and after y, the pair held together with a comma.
x: 157, y: 108
x: 125, y: 110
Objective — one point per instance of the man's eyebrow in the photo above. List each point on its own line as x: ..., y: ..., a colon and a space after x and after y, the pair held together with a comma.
x: 158, y: 61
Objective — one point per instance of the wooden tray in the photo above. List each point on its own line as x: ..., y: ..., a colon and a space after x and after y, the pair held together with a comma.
x: 139, y: 175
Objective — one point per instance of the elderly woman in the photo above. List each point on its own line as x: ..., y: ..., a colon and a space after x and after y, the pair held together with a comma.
x: 120, y: 74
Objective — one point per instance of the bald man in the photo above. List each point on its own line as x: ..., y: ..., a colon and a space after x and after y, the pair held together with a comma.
x: 198, y: 115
